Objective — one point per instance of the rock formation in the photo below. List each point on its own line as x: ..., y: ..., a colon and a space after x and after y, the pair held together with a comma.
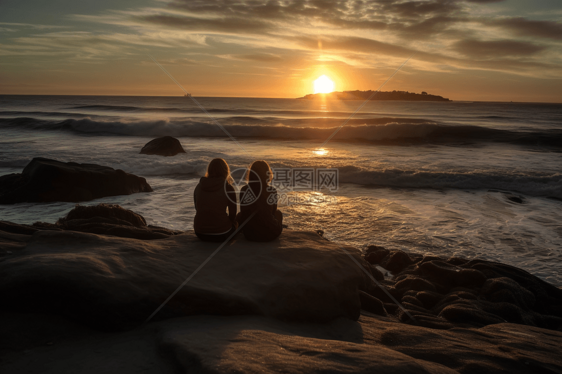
x: 295, y: 305
x: 113, y: 283
x: 444, y: 293
x: 164, y: 146
x: 45, y: 180
x: 46, y: 344
x: 103, y: 219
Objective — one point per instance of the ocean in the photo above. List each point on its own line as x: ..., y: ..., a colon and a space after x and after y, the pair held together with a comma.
x: 467, y: 179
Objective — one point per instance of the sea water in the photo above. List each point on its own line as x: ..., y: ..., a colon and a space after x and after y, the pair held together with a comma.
x: 428, y: 177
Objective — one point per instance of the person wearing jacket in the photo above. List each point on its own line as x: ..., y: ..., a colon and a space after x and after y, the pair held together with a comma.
x: 213, y: 196
x: 258, y: 203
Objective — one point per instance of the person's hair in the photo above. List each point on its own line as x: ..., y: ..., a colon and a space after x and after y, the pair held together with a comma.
x: 261, y: 170
x: 219, y: 168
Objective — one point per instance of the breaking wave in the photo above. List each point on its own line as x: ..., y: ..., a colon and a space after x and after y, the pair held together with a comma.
x: 376, y: 130
x: 535, y: 184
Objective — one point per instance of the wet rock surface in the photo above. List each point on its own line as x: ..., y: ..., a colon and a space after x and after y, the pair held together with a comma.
x: 41, y: 344
x: 294, y: 305
x: 103, y: 219
x: 114, y: 283
x: 446, y: 293
x: 164, y: 146
x: 45, y: 180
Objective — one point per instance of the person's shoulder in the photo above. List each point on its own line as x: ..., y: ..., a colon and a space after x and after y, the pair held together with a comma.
x: 229, y: 187
x: 271, y: 189
x: 200, y: 181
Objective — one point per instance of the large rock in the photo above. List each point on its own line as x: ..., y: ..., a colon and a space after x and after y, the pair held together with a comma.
x: 104, y: 219
x: 39, y: 344
x: 45, y: 180
x: 114, y: 283
x: 164, y: 146
x: 107, y: 219
x: 112, y: 213
x: 446, y: 293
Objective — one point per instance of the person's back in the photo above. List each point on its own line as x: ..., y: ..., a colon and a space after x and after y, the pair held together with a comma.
x: 211, y: 198
x: 266, y: 222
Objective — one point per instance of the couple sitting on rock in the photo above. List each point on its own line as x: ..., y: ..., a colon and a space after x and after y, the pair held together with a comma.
x: 258, y: 204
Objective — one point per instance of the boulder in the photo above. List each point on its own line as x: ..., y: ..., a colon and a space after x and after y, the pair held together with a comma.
x: 429, y: 298
x: 107, y: 219
x: 398, y: 261
x: 111, y: 283
x: 447, y: 274
x: 372, y: 304
x: 414, y: 283
x: 110, y: 212
x: 45, y: 180
x: 164, y: 146
x: 104, y: 219
x: 515, y: 199
x: 376, y: 254
x: 508, y: 290
x: 444, y: 293
x: 468, y: 314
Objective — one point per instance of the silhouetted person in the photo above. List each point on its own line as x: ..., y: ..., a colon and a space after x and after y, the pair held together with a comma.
x: 259, y: 197
x: 212, y: 197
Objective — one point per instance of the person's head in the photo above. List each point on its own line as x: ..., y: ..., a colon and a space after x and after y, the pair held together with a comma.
x: 261, y: 170
x: 218, y: 168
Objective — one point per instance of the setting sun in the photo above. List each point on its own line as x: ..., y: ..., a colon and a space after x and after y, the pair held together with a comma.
x: 323, y: 85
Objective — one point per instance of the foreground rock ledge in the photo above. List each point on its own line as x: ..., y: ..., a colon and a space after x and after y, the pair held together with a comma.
x: 113, y: 283
x: 34, y: 344
x: 45, y: 180
x: 299, y: 297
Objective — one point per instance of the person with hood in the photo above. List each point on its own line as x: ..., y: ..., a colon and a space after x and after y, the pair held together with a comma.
x: 213, y: 196
x: 258, y: 203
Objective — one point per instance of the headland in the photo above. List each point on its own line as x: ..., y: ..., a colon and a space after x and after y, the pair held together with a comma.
x: 376, y: 96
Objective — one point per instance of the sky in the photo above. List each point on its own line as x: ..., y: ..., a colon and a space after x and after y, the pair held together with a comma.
x: 488, y: 50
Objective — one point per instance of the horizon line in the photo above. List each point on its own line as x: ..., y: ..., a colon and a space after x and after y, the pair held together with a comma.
x: 285, y: 98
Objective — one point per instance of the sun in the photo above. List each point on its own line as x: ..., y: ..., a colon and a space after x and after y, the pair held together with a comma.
x: 323, y: 85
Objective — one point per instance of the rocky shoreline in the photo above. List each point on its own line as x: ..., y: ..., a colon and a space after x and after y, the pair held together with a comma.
x: 83, y: 287
x: 46, y: 180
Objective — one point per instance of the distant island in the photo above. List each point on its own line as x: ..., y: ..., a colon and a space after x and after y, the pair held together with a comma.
x: 380, y: 95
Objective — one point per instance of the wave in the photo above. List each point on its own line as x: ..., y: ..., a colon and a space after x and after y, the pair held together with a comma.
x: 189, y: 165
x: 531, y: 184
x: 197, y: 110
x: 45, y: 114
x: 375, y: 130
x: 527, y: 183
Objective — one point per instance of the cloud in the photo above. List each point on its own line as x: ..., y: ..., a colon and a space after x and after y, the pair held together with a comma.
x: 171, y: 61
x: 498, y: 48
x: 260, y: 57
x: 428, y: 27
x: 224, y: 24
x: 484, y: 1
x: 359, y: 33
x: 351, y: 43
x: 523, y: 27
x: 479, y: 54
x: 88, y: 45
x: 32, y: 26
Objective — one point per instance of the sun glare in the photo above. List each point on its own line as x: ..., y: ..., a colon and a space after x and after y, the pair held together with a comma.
x: 323, y: 85
x: 320, y: 151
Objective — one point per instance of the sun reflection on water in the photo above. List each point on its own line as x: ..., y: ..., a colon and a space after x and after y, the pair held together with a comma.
x: 320, y: 151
